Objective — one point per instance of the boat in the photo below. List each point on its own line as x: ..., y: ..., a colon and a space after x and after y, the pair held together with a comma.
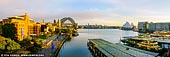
x: 156, y: 42
x: 149, y: 45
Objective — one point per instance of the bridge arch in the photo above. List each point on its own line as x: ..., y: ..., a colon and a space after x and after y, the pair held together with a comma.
x: 70, y: 19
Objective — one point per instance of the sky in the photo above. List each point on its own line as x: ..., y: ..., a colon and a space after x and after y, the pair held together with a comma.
x: 103, y: 12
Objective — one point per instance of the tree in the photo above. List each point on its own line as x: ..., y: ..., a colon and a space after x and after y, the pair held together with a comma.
x: 8, y: 44
x: 57, y: 31
x: 2, y: 43
x: 42, y: 36
x: 35, y: 48
x: 12, y: 45
x: 9, y: 31
x: 25, y: 42
x: 55, y: 21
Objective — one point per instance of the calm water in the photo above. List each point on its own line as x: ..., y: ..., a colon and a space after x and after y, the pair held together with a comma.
x: 77, y: 47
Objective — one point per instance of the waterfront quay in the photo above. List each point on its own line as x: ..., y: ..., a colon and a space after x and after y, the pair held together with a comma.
x: 58, y: 42
x: 102, y: 48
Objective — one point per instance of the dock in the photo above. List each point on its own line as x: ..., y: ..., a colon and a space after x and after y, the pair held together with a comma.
x: 102, y: 48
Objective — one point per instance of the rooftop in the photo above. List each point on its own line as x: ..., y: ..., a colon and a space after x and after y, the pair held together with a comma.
x: 120, y: 50
x: 127, y: 25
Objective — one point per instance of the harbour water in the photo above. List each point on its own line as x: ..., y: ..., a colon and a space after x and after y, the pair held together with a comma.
x: 77, y: 47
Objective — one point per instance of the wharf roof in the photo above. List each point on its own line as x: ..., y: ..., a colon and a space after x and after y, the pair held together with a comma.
x: 120, y: 50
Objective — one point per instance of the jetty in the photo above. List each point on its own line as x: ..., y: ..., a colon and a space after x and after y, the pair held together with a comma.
x: 102, y: 48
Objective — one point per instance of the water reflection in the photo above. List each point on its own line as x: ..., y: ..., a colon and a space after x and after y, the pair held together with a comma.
x: 77, y: 47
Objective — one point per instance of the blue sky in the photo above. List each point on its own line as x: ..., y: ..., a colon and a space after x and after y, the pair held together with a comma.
x: 104, y: 12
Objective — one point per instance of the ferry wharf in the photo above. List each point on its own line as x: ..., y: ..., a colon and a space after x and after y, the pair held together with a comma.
x: 102, y: 48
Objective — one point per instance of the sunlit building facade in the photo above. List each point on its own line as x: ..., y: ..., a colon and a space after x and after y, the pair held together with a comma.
x: 24, y: 25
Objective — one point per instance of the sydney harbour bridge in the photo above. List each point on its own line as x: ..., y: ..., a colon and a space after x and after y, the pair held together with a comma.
x: 68, y: 24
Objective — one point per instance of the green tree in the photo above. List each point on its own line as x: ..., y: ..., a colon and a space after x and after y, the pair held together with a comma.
x: 55, y: 21
x: 9, y: 31
x: 12, y: 45
x: 8, y: 44
x: 57, y: 31
x: 25, y: 42
x: 35, y: 48
x: 42, y: 36
x: 2, y: 43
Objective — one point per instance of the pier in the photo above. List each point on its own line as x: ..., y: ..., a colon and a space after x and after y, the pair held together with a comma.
x: 102, y: 48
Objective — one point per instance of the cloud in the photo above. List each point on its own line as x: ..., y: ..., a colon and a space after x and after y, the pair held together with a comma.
x: 77, y: 15
x: 110, y: 12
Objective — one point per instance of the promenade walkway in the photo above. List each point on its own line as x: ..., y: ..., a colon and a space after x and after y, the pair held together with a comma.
x: 48, y: 50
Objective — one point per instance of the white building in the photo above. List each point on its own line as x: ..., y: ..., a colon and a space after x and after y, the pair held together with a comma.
x: 127, y: 26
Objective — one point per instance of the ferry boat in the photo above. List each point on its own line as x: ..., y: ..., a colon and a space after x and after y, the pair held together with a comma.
x: 158, y: 44
x: 141, y: 35
x: 149, y: 45
x: 160, y: 34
